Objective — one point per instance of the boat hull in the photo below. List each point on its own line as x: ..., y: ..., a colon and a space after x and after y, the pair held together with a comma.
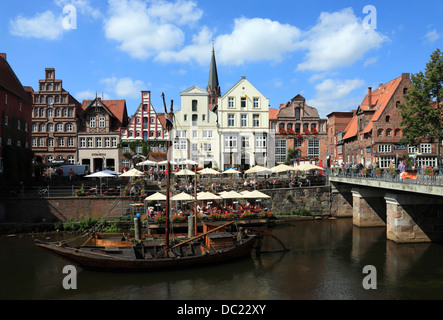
x: 123, y: 262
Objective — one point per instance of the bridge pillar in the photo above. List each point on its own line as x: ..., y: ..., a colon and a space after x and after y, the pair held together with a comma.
x: 414, y: 218
x: 341, y: 200
x: 369, y: 207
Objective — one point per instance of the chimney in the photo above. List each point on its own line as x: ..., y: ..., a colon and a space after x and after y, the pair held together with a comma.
x: 370, y: 97
x: 405, y: 75
x: 3, y: 55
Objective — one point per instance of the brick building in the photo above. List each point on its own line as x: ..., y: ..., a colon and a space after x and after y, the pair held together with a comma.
x: 337, y: 123
x: 374, y: 133
x: 15, y: 117
x: 298, y: 126
x: 147, y: 127
x: 56, y: 120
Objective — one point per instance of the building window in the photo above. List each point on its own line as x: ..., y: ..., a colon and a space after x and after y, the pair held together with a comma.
x: 243, y: 120
x: 61, y: 142
x: 389, y: 133
x: 280, y: 150
x: 50, y: 127
x: 243, y: 102
x: 69, y: 127
x: 42, y: 112
x: 181, y: 133
x: 412, y: 149
x: 57, y: 112
x: 245, y: 142
x: 207, y: 147
x: 180, y: 145
x: 65, y: 113
x: 207, y: 133
x: 384, y: 148
x: 194, y: 147
x: 298, y: 143
x: 50, y: 101
x: 260, y: 142
x: 194, y: 105
x: 231, y: 120
x: 50, y: 113
x: 92, y: 122
x: 230, y: 141
x: 255, y: 103
x: 256, y: 120
x: 114, y: 142
x: 426, y: 148
x: 50, y: 142
x: 98, y: 142
x: 83, y: 142
x: 380, y: 133
x: 70, y: 142
x: 185, y: 117
x: 297, y: 113
x: 314, y: 148
x: 59, y: 127
x: 102, y: 122
x: 231, y: 102
x: 194, y: 134
x: 71, y: 159
x: 107, y: 143
x: 90, y: 143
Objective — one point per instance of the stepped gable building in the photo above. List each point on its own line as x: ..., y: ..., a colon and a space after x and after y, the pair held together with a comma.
x: 373, y: 135
x: 56, y: 120
x: 16, y: 119
x: 298, y: 126
x: 99, y: 138
x: 145, y: 125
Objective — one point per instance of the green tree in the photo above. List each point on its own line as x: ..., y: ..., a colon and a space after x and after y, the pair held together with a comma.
x: 422, y: 114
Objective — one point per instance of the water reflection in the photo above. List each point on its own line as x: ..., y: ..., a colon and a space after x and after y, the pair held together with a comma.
x: 325, y: 262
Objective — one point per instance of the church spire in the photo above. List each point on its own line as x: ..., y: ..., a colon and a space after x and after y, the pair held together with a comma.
x: 213, y: 84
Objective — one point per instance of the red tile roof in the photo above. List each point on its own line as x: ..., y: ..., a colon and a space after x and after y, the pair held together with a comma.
x: 378, y: 99
x: 273, y: 114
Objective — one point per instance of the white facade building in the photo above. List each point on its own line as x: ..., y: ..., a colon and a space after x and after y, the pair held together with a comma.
x: 195, y: 134
x: 243, y: 117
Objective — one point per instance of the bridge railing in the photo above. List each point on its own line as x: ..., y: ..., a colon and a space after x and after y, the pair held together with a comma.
x: 421, y: 177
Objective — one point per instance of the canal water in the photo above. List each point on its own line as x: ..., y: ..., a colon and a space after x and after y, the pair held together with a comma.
x: 325, y: 262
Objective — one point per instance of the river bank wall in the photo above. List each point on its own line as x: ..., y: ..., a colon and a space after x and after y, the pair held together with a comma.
x: 319, y: 201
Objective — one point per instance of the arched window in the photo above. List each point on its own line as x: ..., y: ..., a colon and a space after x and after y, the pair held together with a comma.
x: 380, y: 133
x: 50, y: 127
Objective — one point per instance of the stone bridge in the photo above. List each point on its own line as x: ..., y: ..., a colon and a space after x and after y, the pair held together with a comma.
x: 410, y: 212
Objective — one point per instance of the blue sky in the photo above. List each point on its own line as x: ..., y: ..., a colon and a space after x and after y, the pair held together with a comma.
x: 328, y: 51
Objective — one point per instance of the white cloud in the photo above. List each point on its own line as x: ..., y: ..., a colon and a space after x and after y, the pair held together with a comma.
x: 124, y: 88
x: 339, y: 39
x: 82, y: 6
x: 198, y: 51
x: 432, y: 36
x: 255, y: 40
x: 144, y: 31
x: 44, y: 25
x: 49, y: 25
x: 181, y: 12
x: 334, y: 95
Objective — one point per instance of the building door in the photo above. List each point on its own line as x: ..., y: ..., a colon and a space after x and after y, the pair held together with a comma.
x: 98, y: 164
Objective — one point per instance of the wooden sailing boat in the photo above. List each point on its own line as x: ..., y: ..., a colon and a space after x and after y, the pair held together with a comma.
x: 214, y: 245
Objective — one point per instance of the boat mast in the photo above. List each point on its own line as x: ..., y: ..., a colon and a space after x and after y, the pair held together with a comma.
x: 169, y: 126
